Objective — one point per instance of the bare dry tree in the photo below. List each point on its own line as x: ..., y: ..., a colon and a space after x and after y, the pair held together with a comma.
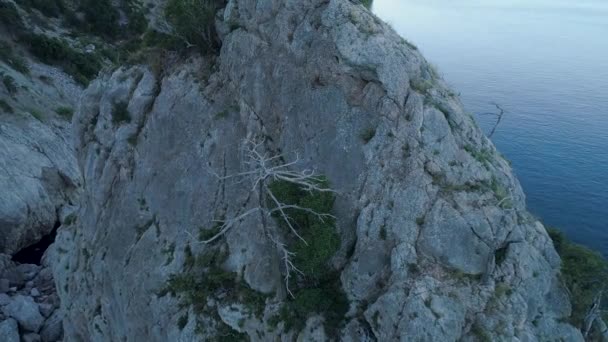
x: 594, y: 317
x: 499, y: 115
x: 264, y: 169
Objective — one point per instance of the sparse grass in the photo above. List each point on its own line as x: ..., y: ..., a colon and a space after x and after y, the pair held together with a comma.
x: 483, y: 156
x: 583, y: 271
x: 502, y: 290
x: 36, y: 114
x: 120, y: 113
x: 478, y: 331
x: 65, y: 112
x: 421, y: 85
x: 368, y: 134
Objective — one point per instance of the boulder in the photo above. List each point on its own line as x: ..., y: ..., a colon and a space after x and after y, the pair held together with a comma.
x: 29, y: 271
x: 4, y: 285
x: 52, y: 330
x: 30, y: 337
x: 25, y: 311
x: 9, y: 331
x: 4, y: 299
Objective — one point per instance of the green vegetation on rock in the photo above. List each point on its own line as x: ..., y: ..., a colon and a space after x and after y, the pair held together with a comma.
x: 318, y: 290
x: 55, y: 51
x: 12, y: 59
x: 584, y: 272
x: 194, y: 22
x: 120, y: 113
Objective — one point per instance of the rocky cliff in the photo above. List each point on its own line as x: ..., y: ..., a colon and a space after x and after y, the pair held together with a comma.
x: 435, y: 240
x: 423, y: 236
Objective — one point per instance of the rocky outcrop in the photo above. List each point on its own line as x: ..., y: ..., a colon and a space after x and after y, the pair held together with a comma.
x: 436, y: 243
x: 29, y: 306
x: 38, y: 171
x: 38, y: 176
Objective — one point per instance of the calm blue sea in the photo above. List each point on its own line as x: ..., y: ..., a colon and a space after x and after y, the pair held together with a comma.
x: 546, y: 62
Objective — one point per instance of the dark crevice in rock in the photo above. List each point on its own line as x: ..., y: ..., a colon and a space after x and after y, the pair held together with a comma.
x: 33, y: 253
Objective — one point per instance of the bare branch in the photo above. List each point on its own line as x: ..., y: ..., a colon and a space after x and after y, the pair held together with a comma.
x: 501, y: 112
x: 263, y: 169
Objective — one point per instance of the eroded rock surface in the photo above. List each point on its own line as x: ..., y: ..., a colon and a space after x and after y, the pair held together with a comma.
x: 436, y: 241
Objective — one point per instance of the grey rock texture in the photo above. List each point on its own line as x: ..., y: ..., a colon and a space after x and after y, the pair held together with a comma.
x: 35, y: 308
x: 38, y: 172
x: 9, y: 331
x: 25, y: 311
x: 52, y: 330
x: 38, y: 176
x: 436, y: 241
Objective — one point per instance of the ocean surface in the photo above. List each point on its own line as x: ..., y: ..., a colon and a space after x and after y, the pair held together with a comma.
x: 546, y: 63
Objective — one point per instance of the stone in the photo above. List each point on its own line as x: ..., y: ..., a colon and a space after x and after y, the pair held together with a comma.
x: 52, y: 329
x: 34, y: 292
x: 25, y: 311
x: 4, y: 285
x: 9, y: 331
x: 46, y: 309
x: 14, y: 277
x: 31, y: 337
x: 4, y: 299
x: 29, y: 271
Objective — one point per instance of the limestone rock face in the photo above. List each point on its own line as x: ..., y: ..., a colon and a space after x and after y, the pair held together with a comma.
x: 436, y: 241
x: 38, y: 175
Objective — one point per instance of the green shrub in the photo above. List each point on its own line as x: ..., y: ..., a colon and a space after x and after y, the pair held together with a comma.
x: 584, y: 272
x: 322, y: 240
x: 66, y: 112
x: 318, y: 290
x: 368, y: 134
x: 421, y: 85
x: 367, y: 3
x: 135, y: 15
x: 194, y: 22
x: 120, y: 113
x: 10, y: 18
x: 5, y: 107
x: 327, y: 299
x: 153, y: 38
x: 13, y: 60
x: 83, y: 67
x: 9, y: 84
x: 100, y: 17
x: 51, y: 8
x: 36, y: 114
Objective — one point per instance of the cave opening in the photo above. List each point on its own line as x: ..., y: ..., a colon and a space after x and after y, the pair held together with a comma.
x: 33, y: 253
